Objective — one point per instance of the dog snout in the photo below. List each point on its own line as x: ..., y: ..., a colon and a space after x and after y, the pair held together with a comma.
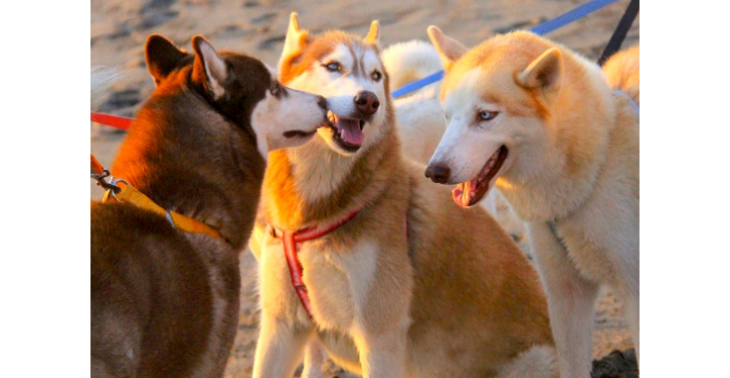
x: 438, y: 173
x: 367, y: 102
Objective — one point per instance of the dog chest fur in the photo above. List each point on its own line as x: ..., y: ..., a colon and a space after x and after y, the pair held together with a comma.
x: 338, y: 279
x: 608, y: 236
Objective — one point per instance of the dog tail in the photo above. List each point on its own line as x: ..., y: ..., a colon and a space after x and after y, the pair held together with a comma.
x: 622, y: 72
x: 407, y: 62
x: 102, y: 78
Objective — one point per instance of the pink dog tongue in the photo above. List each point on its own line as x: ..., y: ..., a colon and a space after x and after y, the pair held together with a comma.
x: 351, y: 132
x: 463, y: 192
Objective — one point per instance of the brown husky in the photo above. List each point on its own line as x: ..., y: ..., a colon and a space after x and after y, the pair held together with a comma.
x: 164, y: 302
x: 408, y: 286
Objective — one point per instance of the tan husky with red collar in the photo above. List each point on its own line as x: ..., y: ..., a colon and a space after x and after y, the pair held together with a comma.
x: 451, y: 295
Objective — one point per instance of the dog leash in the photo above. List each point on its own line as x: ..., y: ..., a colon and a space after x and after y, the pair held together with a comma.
x: 129, y: 194
x: 291, y: 252
x: 614, y: 44
x: 121, y: 123
x: 544, y: 28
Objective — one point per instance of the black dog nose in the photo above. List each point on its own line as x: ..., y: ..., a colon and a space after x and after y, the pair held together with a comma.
x: 438, y: 173
x: 367, y: 102
x: 322, y: 102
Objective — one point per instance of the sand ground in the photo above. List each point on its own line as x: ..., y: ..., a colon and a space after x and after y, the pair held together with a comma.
x: 119, y: 29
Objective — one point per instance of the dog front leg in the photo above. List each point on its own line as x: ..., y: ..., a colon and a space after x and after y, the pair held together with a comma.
x: 571, y: 300
x: 314, y: 355
x: 279, y: 348
x: 257, y: 236
x: 382, y: 355
x: 628, y: 288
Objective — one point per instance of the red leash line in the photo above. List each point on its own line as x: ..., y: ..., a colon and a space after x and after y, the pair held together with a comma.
x: 111, y: 120
x: 296, y: 271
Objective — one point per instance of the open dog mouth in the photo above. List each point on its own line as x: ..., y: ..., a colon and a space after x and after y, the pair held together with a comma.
x: 298, y: 134
x: 469, y: 193
x: 347, y: 133
x: 306, y: 134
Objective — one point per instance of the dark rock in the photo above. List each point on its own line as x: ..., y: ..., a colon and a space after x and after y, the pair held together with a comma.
x: 617, y: 364
x: 251, y: 3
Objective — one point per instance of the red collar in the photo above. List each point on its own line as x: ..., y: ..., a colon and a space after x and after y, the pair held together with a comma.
x: 290, y: 250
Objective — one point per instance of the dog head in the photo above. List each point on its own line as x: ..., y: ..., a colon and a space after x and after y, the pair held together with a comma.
x: 497, y: 99
x: 347, y: 71
x: 240, y: 88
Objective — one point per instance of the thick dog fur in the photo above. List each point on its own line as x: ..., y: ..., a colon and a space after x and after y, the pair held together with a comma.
x: 455, y: 298
x: 622, y: 72
x: 164, y: 303
x: 418, y: 114
x: 421, y: 121
x: 572, y: 168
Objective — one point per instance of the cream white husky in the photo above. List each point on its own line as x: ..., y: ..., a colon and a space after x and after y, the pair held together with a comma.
x: 540, y: 123
x: 410, y: 286
x: 421, y: 121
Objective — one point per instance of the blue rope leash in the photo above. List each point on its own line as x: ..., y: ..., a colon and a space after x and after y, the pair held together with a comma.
x: 544, y: 28
x: 566, y: 18
x: 418, y: 84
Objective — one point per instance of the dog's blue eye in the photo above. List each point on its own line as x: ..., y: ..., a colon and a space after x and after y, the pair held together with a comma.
x: 486, y: 116
x: 376, y: 76
x: 333, y: 67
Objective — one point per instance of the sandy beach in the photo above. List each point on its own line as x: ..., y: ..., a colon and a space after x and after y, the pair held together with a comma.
x: 119, y: 29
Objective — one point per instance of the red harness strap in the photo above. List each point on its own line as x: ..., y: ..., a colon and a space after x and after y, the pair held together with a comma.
x: 290, y: 250
x: 111, y: 120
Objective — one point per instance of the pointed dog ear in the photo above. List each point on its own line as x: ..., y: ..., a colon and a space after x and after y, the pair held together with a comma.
x: 162, y: 57
x: 296, y: 39
x: 209, y: 69
x: 544, y: 73
x: 448, y: 48
x: 372, y: 37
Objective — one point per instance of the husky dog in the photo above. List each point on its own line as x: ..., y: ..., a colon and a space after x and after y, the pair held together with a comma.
x: 164, y: 301
x: 540, y: 123
x: 401, y: 284
x: 421, y: 121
